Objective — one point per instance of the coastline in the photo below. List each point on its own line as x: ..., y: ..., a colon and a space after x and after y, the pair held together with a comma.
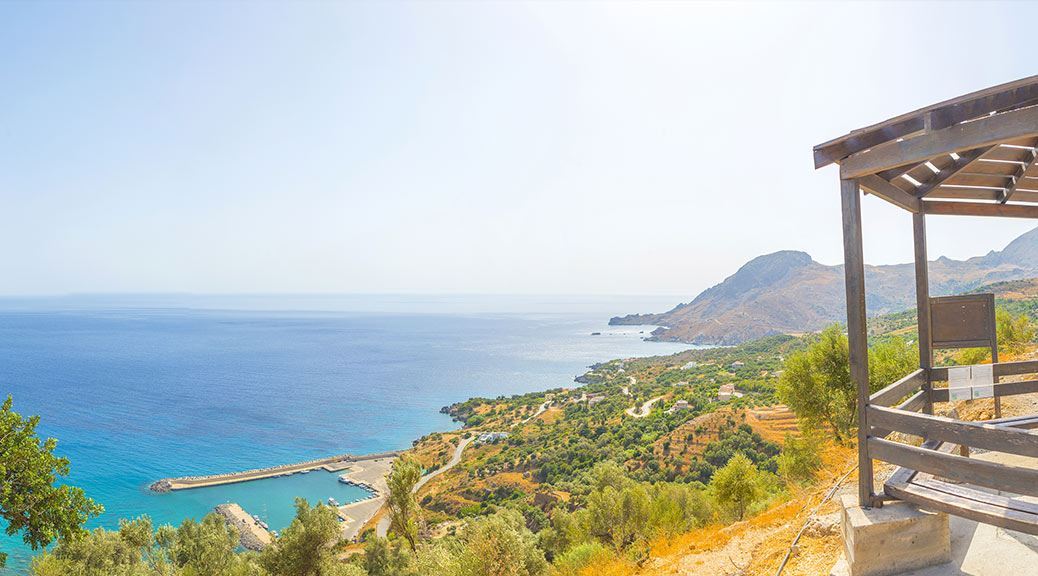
x: 371, y: 475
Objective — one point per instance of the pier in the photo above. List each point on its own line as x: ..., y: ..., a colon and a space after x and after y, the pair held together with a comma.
x: 329, y: 464
x: 252, y: 535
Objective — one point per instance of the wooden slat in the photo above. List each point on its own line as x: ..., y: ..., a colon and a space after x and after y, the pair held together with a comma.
x: 978, y: 179
x: 970, y: 470
x: 898, y: 390
x: 972, y: 434
x: 931, y: 499
x: 1000, y: 369
x: 1009, y: 153
x: 1024, y: 422
x: 993, y: 168
x: 943, y: 193
x: 915, y: 402
x: 978, y: 495
x: 986, y: 131
x: 1000, y: 390
x: 945, y: 208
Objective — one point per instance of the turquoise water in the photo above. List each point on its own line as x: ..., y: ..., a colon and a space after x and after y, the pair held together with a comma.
x: 141, y: 388
x: 272, y: 499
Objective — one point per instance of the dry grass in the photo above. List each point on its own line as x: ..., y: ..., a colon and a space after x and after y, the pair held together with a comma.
x: 753, y: 547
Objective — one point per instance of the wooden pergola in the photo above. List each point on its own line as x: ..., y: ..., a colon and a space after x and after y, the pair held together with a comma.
x: 974, y: 155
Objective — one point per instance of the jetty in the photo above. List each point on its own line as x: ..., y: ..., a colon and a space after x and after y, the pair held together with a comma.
x: 252, y: 535
x: 329, y: 464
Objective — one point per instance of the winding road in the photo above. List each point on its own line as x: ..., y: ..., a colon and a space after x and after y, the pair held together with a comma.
x: 383, y: 524
x: 636, y: 412
x: 540, y: 410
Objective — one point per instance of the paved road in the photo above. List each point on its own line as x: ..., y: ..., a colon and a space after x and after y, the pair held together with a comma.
x: 383, y: 523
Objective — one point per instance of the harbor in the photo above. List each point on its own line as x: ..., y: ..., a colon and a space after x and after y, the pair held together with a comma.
x: 330, y: 464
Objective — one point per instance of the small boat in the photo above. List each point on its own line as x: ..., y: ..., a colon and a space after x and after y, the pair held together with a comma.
x: 333, y: 501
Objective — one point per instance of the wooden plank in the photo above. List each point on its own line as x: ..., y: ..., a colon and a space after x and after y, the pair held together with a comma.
x: 1000, y: 390
x: 945, y: 208
x: 931, y: 499
x: 970, y: 470
x: 1000, y: 368
x: 978, y: 179
x: 946, y: 193
x: 890, y: 193
x: 984, y: 166
x: 854, y: 277
x: 978, y: 495
x: 916, y: 402
x: 972, y: 434
x: 1009, y: 154
x: 898, y: 390
x: 1025, y: 422
x: 987, y: 131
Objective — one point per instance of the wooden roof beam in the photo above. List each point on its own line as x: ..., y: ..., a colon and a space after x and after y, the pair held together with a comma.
x: 1006, y: 96
x: 980, y: 209
x: 890, y: 193
x: 988, y: 131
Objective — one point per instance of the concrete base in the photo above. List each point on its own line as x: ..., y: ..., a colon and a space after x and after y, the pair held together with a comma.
x: 893, y: 539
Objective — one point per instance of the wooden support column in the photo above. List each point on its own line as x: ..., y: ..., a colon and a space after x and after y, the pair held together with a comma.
x: 922, y: 306
x: 854, y: 275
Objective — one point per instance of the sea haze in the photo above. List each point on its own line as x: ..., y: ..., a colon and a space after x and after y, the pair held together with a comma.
x: 144, y: 387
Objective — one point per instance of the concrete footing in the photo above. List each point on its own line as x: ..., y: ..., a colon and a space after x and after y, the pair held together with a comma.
x: 893, y: 539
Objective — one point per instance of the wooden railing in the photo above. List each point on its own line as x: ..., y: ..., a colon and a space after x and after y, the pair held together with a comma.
x: 897, y: 407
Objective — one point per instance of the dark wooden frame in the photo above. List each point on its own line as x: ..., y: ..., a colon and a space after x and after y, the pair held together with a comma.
x: 975, y: 155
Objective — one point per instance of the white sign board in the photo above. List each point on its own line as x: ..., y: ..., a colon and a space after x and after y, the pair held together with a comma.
x: 959, y: 383
x: 970, y: 382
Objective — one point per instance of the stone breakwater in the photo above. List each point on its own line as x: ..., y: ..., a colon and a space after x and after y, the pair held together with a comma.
x: 330, y: 464
x: 251, y: 535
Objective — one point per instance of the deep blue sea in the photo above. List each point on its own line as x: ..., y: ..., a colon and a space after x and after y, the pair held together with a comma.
x: 137, y: 388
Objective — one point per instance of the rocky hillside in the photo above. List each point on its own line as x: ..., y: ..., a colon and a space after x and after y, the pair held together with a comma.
x: 788, y: 292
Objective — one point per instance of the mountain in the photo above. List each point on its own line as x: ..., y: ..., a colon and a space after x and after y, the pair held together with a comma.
x: 788, y: 292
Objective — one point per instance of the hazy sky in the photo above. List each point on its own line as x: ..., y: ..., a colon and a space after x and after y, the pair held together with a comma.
x: 569, y: 147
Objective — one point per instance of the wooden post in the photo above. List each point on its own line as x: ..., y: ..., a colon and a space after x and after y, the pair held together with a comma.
x: 922, y: 306
x: 854, y: 275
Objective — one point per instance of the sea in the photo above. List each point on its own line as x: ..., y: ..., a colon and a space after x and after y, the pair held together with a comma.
x: 141, y: 387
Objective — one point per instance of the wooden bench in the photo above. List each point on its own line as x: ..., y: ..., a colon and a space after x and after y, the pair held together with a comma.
x: 932, y: 493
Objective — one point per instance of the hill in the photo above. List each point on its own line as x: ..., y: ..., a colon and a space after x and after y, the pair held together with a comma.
x: 788, y: 292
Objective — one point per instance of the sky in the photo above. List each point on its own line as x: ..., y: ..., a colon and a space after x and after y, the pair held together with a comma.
x: 468, y: 147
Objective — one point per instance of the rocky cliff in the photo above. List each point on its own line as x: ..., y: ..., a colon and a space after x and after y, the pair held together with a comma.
x: 788, y: 292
